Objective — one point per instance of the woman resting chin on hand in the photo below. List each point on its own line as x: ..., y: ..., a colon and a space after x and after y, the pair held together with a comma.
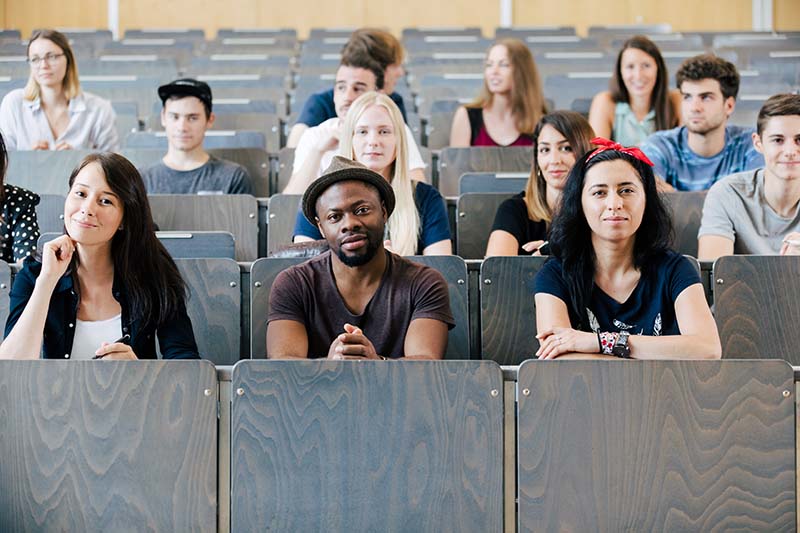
x: 107, y: 288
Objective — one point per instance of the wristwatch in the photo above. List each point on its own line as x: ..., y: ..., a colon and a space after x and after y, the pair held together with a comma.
x: 621, y: 348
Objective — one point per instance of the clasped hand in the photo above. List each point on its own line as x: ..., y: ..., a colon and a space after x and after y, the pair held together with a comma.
x: 352, y: 344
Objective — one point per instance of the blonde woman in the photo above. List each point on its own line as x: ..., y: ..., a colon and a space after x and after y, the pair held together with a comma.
x: 373, y: 135
x: 51, y: 112
x: 510, y: 104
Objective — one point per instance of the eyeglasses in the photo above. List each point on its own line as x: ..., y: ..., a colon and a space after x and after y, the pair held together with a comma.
x: 48, y: 58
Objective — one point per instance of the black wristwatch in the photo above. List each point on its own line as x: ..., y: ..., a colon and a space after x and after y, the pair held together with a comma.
x: 621, y: 348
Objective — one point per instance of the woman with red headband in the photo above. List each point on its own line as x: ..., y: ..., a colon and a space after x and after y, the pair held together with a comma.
x: 613, y: 288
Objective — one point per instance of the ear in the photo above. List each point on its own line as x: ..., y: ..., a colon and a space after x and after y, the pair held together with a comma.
x: 163, y: 118
x: 319, y: 227
x: 730, y: 105
x: 757, y: 143
x: 211, y: 119
x: 385, y: 213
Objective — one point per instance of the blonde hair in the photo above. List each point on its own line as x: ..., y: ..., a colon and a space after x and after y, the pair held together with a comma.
x: 71, y: 84
x: 527, y: 95
x: 404, y: 223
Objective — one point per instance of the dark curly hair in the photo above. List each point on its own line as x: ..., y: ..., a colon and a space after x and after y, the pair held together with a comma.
x: 708, y: 66
x: 571, y: 236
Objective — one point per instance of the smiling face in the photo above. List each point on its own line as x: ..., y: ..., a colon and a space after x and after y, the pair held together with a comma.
x: 780, y: 144
x: 613, y: 200
x: 375, y: 140
x: 554, y: 156
x: 47, y: 72
x: 351, y: 217
x: 92, y: 212
x: 639, y: 72
x: 498, y: 70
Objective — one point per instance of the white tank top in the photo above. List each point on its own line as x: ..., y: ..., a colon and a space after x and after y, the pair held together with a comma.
x: 89, y: 336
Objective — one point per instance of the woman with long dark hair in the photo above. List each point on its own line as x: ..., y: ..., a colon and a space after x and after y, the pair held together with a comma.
x: 52, y: 112
x: 107, y: 288
x: 522, y: 222
x: 639, y: 101
x: 613, y: 287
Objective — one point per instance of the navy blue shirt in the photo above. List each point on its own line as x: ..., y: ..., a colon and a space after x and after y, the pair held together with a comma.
x: 319, y: 108
x: 649, y: 310
x: 175, y: 336
x: 434, y: 226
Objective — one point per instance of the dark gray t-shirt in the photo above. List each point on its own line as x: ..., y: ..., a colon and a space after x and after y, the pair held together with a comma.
x: 307, y: 293
x: 736, y: 208
x: 217, y: 176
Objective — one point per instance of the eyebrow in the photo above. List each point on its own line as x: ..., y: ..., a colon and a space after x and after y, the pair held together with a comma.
x: 110, y: 193
x: 557, y: 142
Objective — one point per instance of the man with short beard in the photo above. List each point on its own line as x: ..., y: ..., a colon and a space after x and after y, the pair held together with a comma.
x: 705, y: 148
x: 357, y: 300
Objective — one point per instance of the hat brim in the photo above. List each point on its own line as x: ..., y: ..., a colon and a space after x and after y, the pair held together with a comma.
x: 365, y: 175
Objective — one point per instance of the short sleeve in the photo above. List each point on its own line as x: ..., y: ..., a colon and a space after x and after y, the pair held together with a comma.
x: 414, y: 156
x: 305, y: 228
x: 240, y: 181
x: 550, y: 280
x: 314, y: 110
x: 716, y: 218
x: 22, y: 224
x: 303, y: 149
x: 432, y: 298
x: 682, y: 275
x: 285, y: 298
x: 653, y: 149
x: 106, y: 138
x: 433, y: 216
x: 512, y: 217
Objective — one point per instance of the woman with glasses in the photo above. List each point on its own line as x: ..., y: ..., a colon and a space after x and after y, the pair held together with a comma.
x: 51, y: 112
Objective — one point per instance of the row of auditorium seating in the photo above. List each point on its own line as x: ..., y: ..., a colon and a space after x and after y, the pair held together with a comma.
x: 755, y: 301
x: 263, y: 224
x: 437, y: 81
x: 412, y: 446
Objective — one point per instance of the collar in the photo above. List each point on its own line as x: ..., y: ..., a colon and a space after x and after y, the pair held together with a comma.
x: 76, y: 105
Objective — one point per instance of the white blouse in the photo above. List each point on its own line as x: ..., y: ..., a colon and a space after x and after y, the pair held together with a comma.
x: 89, y: 336
x: 91, y: 123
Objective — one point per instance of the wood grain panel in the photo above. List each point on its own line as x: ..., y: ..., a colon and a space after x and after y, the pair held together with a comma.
x: 757, y: 306
x: 367, y: 446
x: 28, y: 15
x: 212, y: 15
x: 786, y: 15
x: 474, y: 218
x: 108, y: 446
x: 711, y: 15
x: 262, y: 274
x: 236, y: 213
x: 656, y: 446
x: 456, y: 161
x: 454, y: 271
x: 282, y: 214
x: 508, y: 313
x: 687, y: 211
x: 43, y: 172
x: 214, y: 306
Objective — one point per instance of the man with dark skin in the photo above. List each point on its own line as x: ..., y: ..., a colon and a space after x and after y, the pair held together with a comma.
x: 356, y: 301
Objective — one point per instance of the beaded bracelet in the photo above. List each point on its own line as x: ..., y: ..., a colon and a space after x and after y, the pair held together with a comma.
x: 607, y: 340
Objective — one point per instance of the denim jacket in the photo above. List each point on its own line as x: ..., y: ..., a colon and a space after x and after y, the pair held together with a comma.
x: 175, y: 336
